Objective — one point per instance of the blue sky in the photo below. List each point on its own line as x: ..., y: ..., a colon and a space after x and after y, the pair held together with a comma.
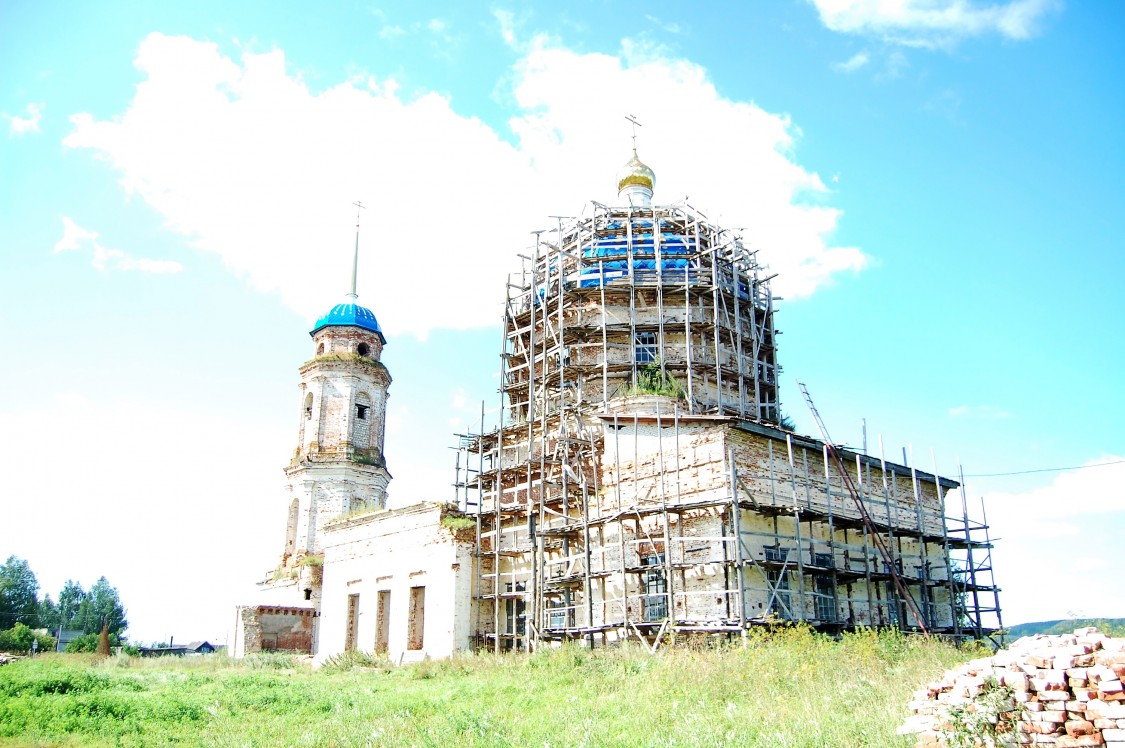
x: 937, y: 184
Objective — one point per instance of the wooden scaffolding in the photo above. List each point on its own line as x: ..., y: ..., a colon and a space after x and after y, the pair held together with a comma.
x: 606, y: 511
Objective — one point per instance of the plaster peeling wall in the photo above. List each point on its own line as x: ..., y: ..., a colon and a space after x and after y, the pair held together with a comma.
x: 648, y: 464
x: 393, y: 551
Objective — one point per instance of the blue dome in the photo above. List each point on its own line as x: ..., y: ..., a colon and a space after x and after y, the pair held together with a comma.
x: 348, y: 315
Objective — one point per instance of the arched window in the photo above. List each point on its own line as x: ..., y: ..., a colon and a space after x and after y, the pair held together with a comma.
x: 308, y: 406
x: 363, y: 349
x: 320, y: 349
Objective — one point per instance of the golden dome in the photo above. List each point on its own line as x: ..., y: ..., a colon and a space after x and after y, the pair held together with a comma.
x: 635, y: 172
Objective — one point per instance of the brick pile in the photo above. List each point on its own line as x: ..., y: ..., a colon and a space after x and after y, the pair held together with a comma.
x: 1062, y: 690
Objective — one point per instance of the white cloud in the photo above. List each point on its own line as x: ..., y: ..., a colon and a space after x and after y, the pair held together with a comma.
x: 508, y: 25
x: 1054, y: 541
x: 30, y: 123
x: 76, y: 238
x: 670, y: 26
x: 852, y: 64
x: 896, y: 63
x: 249, y: 165
x: 933, y: 23
x: 391, y: 32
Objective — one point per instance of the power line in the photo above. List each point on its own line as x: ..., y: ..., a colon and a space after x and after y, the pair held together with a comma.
x: 1044, y: 470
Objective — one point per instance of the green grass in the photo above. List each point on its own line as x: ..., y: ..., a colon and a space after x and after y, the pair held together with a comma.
x: 792, y: 688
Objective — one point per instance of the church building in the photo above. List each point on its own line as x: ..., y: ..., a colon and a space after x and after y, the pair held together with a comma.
x: 642, y: 481
x: 352, y: 573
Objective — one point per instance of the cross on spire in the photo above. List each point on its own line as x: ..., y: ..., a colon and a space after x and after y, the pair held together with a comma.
x: 355, y: 255
x: 636, y: 124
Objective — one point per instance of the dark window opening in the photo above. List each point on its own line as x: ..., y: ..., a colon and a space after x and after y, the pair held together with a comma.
x: 415, y: 621
x: 644, y: 348
x: 353, y: 623
x: 515, y: 615
x: 363, y: 349
x: 779, y: 593
x: 308, y: 594
x: 655, y: 588
x: 557, y: 613
x: 361, y: 412
x: 383, y: 623
x: 825, y: 599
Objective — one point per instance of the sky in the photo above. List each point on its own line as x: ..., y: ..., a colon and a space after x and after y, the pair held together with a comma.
x: 936, y: 183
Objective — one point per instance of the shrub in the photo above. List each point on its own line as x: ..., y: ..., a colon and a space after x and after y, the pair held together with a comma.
x: 103, y: 641
x: 89, y: 643
x: 18, y: 640
x: 454, y: 522
x: 313, y: 559
x: 653, y: 380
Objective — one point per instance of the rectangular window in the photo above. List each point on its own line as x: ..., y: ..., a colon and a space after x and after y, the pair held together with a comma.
x: 644, y: 348
x: 515, y: 614
x: 655, y: 587
x: 825, y: 599
x: 416, y: 618
x: 556, y: 613
x: 361, y: 412
x: 383, y: 621
x: 776, y: 554
x: 823, y: 560
x: 353, y: 623
x: 893, y: 604
x: 779, y: 593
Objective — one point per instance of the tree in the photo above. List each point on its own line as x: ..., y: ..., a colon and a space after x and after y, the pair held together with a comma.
x: 48, y: 613
x: 102, y: 606
x: 69, y: 605
x: 19, y: 593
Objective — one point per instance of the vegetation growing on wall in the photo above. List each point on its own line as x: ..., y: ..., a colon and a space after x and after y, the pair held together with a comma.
x: 652, y: 379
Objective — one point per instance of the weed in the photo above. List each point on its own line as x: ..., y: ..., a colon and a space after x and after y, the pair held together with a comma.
x: 355, y: 660
x: 457, y: 523
x: 269, y: 661
x: 653, y: 380
x: 989, y: 718
x: 790, y: 687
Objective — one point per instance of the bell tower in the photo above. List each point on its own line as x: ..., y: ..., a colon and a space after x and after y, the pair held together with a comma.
x: 338, y: 465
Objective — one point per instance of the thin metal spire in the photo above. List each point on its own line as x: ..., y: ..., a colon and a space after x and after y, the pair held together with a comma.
x: 355, y: 256
x: 636, y: 124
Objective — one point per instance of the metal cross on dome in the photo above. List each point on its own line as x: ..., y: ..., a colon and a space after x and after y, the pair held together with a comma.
x: 355, y: 254
x: 636, y: 124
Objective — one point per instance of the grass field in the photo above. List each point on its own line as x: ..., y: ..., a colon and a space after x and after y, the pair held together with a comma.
x: 790, y: 688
